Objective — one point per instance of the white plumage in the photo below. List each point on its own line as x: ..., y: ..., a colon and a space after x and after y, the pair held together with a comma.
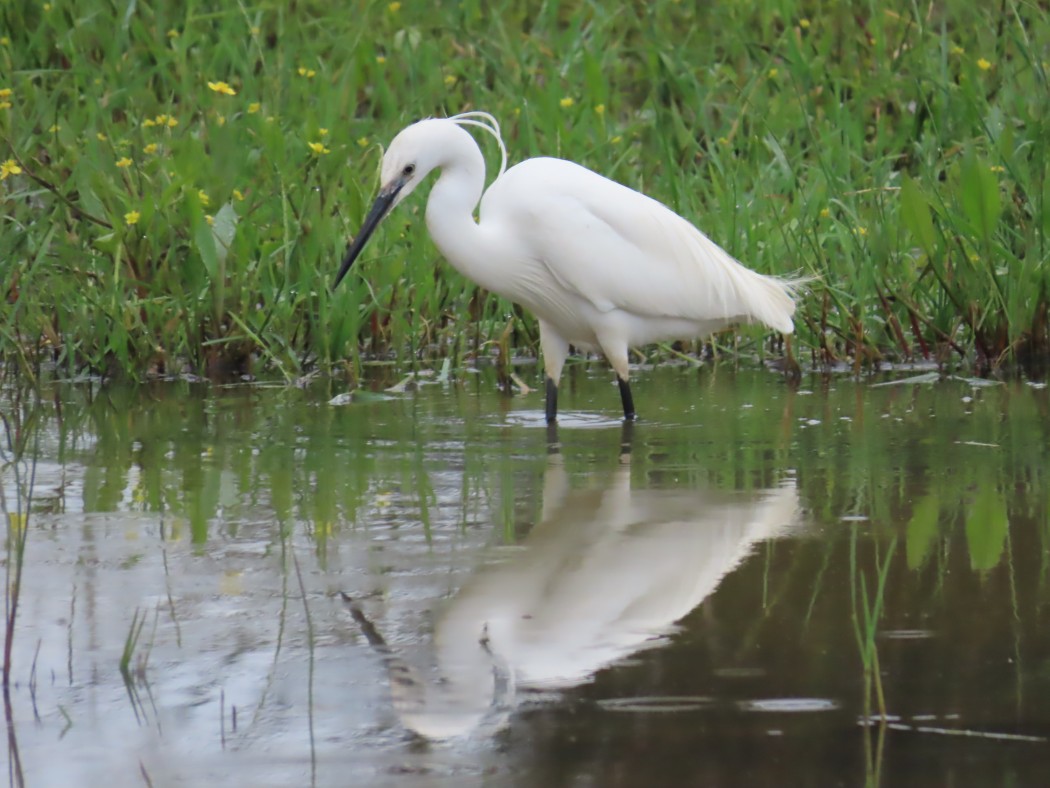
x: 602, y: 267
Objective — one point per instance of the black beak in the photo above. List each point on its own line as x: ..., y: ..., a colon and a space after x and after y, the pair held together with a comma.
x: 380, y: 208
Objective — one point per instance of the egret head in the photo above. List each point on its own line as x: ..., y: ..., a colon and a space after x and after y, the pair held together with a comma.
x: 413, y: 154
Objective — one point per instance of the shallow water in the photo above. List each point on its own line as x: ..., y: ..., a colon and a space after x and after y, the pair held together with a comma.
x: 685, y: 603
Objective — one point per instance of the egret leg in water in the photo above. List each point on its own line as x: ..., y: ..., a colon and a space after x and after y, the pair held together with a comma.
x: 602, y: 267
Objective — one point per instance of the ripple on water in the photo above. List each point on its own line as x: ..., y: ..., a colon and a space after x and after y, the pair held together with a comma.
x: 788, y: 705
x: 657, y: 704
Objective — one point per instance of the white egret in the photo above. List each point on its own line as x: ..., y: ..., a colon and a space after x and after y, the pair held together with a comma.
x: 601, y: 266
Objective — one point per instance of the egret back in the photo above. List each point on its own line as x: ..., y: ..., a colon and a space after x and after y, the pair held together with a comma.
x: 621, y: 250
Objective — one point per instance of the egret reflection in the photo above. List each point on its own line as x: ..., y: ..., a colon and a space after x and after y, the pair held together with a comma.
x: 605, y: 574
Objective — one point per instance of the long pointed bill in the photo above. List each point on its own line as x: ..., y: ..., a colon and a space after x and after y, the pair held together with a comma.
x: 380, y: 208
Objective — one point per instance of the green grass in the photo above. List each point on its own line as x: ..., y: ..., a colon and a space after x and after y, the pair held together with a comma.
x: 899, y: 156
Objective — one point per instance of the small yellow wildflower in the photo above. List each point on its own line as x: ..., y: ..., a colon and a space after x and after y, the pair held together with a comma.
x: 380, y: 59
x: 149, y: 123
x: 804, y: 24
x: 238, y: 195
x: 363, y: 142
x: 450, y: 80
x: 323, y: 132
x: 173, y: 33
x: 209, y: 219
x: 5, y: 41
x: 5, y: 104
x: 203, y: 197
x: 957, y: 50
x: 825, y: 213
x: 222, y: 87
x: 47, y: 8
x: 862, y: 231
x: 997, y: 168
x: 151, y: 148
x: 124, y: 163
x: 54, y: 128
x: 6, y: 93
x: 100, y: 137
x: 983, y: 64
x: 319, y: 149
x: 221, y: 120
x: 309, y: 73
x: 723, y: 141
x: 132, y: 217
x: 600, y: 109
x: 254, y: 107
x: 9, y: 167
x: 773, y: 73
x: 394, y: 8
x: 172, y: 122
x: 567, y: 102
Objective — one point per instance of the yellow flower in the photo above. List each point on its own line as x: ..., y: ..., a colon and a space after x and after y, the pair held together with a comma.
x: 567, y: 102
x: 151, y: 148
x: 172, y: 122
x: 773, y: 73
x: 5, y: 41
x: 323, y: 132
x: 209, y: 219
x: 9, y: 167
x: 318, y: 148
x: 100, y: 137
x: 6, y: 93
x: 983, y: 64
x: 132, y: 217
x: 54, y: 128
x: 394, y: 8
x: 309, y: 73
x: 124, y: 162
x: 825, y: 213
x: 47, y: 8
x: 997, y: 168
x: 600, y: 109
x: 203, y: 197
x: 254, y: 107
x: 363, y: 142
x: 380, y: 59
x: 238, y: 195
x: 173, y: 33
x: 222, y: 87
x: 804, y: 24
x: 222, y: 120
x: 723, y: 140
x: 149, y: 123
x: 450, y: 80
x: 862, y: 231
x: 5, y: 105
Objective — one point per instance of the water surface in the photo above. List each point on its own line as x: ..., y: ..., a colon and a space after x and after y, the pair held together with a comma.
x: 693, y: 601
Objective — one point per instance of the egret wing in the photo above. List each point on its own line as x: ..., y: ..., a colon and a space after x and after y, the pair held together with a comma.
x: 622, y: 250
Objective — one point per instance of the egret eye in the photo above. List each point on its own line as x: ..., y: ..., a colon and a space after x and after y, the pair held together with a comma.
x: 409, y: 169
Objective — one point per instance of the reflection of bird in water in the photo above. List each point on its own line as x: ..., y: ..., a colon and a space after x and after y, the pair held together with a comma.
x: 605, y: 574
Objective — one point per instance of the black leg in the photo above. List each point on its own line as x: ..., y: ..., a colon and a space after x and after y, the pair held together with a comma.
x: 552, y: 401
x: 626, y: 399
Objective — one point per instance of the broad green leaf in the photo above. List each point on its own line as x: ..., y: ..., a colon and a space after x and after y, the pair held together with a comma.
x: 223, y: 229
x: 986, y: 525
x: 915, y: 213
x: 980, y: 196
